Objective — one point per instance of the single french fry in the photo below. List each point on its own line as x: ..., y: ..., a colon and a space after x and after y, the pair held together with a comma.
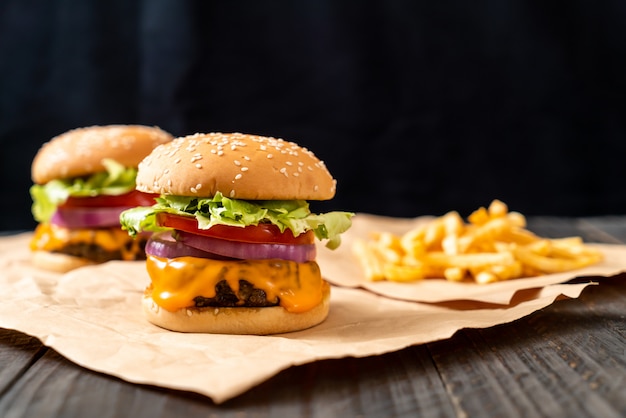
x: 516, y: 219
x: 450, y: 245
x: 453, y: 224
x: 453, y: 228
x: 546, y: 264
x: 484, y: 277
x: 542, y: 247
x: 402, y: 273
x: 479, y: 217
x: 497, y: 209
x: 508, y: 272
x: 572, y: 247
x: 568, y: 241
x: 454, y: 274
x: 473, y: 260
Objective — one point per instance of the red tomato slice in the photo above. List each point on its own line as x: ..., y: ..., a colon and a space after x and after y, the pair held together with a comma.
x: 262, y: 233
x: 130, y: 199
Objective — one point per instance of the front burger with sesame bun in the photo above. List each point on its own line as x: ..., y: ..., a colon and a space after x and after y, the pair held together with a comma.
x: 233, y: 244
x: 84, y: 178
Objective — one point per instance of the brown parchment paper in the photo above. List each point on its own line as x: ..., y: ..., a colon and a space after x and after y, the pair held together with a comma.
x: 92, y: 316
x: 340, y: 267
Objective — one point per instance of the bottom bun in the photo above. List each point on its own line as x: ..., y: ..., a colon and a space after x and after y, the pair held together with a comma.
x: 58, y: 262
x: 251, y: 321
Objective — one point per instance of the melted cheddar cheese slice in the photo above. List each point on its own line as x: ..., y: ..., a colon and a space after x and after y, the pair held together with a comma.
x: 176, y: 282
x: 49, y: 237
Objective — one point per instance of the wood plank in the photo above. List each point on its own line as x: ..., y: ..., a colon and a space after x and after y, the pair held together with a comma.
x: 564, y: 360
x: 18, y: 352
x: 613, y: 226
x: 404, y: 383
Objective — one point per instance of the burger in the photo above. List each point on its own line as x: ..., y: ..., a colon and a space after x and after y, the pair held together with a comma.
x: 232, y: 249
x: 84, y: 179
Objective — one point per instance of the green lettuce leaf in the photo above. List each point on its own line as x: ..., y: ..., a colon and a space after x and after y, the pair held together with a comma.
x: 116, y: 180
x: 220, y: 210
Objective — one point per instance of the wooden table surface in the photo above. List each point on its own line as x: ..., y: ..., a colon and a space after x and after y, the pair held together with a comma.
x: 566, y: 360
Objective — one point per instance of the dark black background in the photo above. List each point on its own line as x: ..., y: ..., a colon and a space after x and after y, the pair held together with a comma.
x: 416, y: 107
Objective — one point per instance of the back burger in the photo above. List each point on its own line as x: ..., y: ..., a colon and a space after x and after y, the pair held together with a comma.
x: 84, y: 179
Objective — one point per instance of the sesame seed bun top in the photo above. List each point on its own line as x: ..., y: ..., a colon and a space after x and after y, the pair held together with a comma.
x: 238, y: 165
x: 80, y: 152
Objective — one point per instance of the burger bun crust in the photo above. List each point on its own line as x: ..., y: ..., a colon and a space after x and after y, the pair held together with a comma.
x: 239, y: 166
x: 240, y: 321
x: 80, y: 152
x: 57, y: 262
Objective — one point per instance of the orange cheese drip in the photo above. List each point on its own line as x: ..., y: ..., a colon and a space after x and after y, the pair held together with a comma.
x: 176, y: 282
x: 49, y: 237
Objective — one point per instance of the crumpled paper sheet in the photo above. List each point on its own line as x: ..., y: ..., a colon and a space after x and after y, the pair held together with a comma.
x: 93, y: 317
x: 341, y: 268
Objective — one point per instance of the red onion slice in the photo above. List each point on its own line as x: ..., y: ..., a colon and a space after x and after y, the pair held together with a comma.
x: 162, y: 244
x: 79, y: 217
x: 247, y: 251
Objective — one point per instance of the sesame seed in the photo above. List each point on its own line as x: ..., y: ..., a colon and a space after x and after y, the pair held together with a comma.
x: 316, y: 188
x: 232, y: 193
x: 244, y: 168
x: 237, y: 163
x: 284, y: 171
x: 193, y: 190
x: 270, y: 156
x: 220, y: 152
x: 189, y: 313
x: 245, y: 157
x: 289, y: 163
x: 238, y: 176
x: 176, y: 161
x: 296, y: 174
x: 213, y: 151
x: 198, y: 165
x: 198, y: 186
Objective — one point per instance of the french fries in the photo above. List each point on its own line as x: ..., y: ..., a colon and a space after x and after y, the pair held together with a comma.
x: 493, y: 245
